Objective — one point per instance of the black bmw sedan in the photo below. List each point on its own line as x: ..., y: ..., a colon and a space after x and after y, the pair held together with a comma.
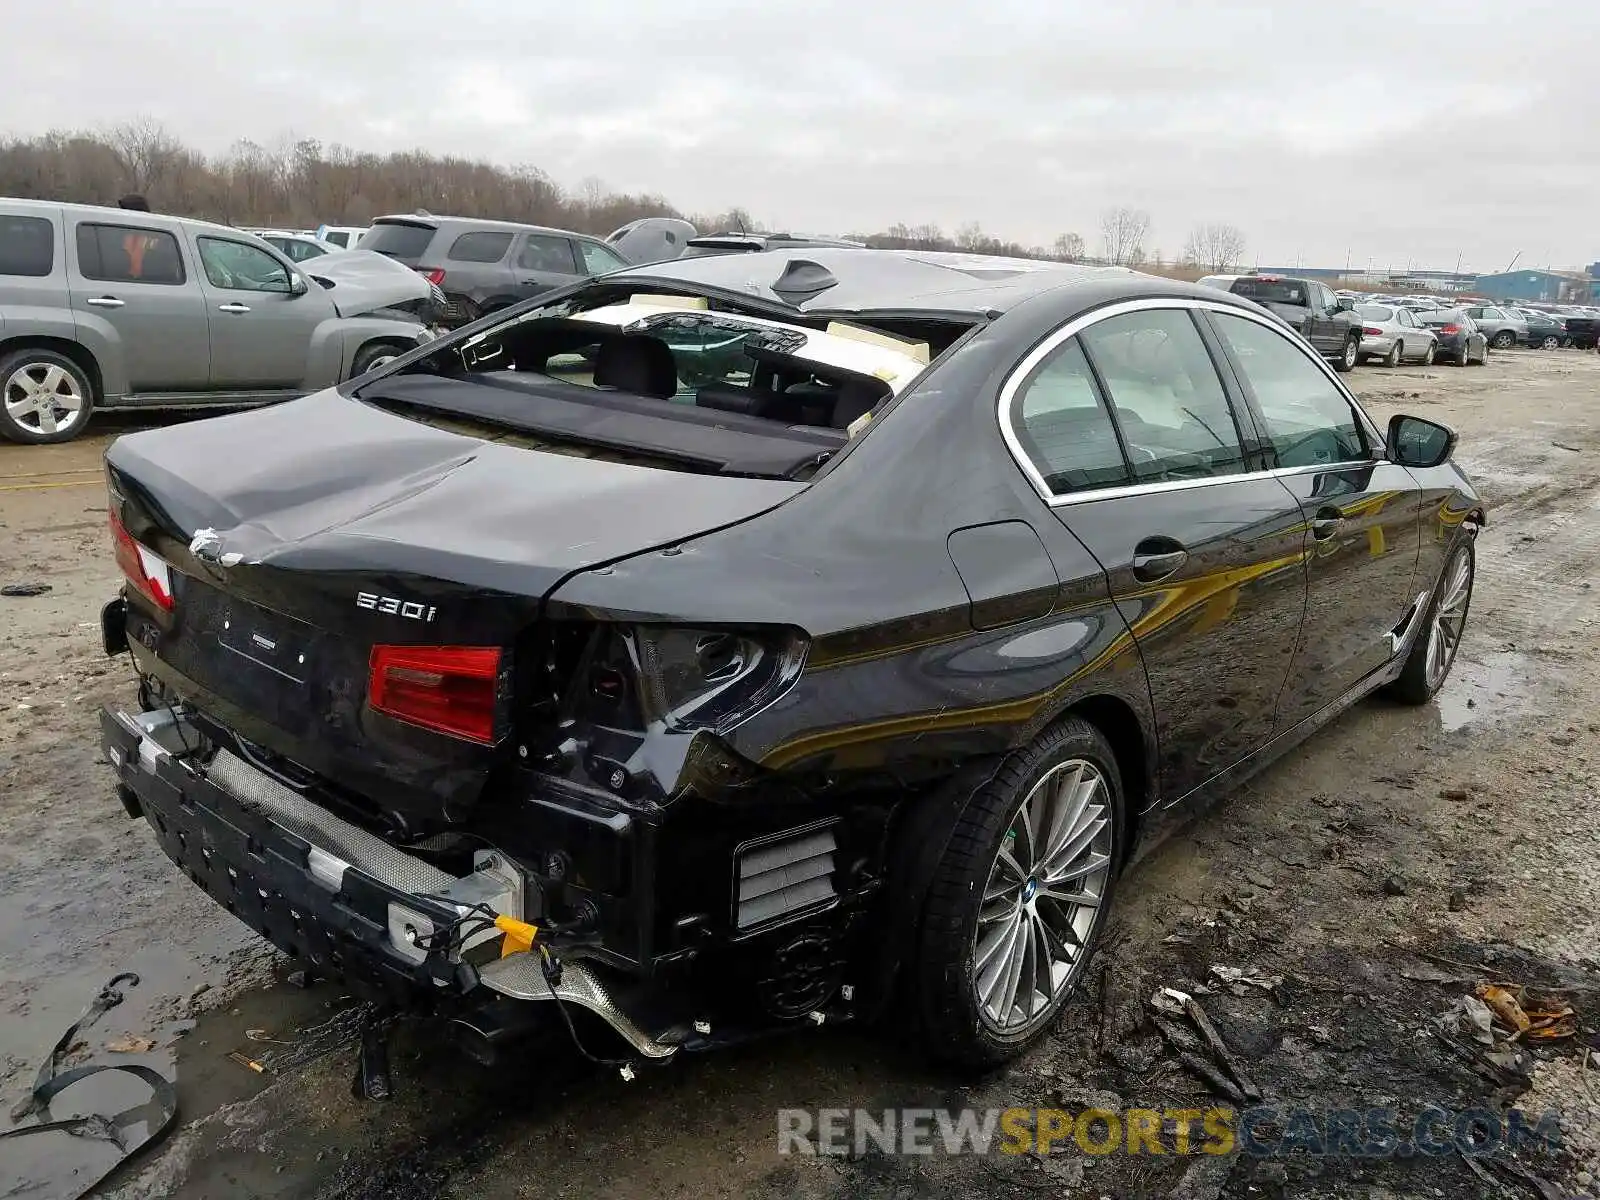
x: 765, y: 640
x: 1460, y: 340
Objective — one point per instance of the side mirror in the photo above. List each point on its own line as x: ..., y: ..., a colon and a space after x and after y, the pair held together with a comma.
x: 1418, y: 442
x: 297, y: 284
x: 1346, y: 304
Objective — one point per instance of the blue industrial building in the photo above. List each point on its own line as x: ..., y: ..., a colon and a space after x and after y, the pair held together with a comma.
x: 1552, y: 287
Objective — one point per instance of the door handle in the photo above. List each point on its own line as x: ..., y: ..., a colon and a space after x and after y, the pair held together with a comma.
x: 1326, y: 523
x: 1156, y: 558
x: 105, y: 302
x: 233, y: 306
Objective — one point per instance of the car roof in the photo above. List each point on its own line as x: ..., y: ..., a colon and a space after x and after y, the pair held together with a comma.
x: 430, y: 220
x: 974, y: 285
x: 121, y: 214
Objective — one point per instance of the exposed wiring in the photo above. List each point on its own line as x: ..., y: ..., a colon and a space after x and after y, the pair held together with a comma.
x: 549, y: 968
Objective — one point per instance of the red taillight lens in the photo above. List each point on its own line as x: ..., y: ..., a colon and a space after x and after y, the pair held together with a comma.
x: 449, y: 689
x: 1370, y: 331
x: 435, y: 276
x: 147, y: 571
x: 1449, y: 329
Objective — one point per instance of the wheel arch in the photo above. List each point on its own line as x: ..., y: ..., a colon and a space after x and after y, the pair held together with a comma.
x: 65, y: 347
x: 1134, y: 749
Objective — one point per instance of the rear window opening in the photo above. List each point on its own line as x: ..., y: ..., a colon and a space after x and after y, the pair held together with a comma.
x: 1265, y: 291
x: 664, y: 379
x: 398, y: 239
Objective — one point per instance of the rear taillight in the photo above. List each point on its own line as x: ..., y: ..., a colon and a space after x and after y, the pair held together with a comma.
x: 1449, y: 329
x: 1371, y: 331
x: 449, y: 689
x: 146, y: 570
x: 434, y: 275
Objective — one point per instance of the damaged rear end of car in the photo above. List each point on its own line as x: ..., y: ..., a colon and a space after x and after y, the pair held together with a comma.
x: 372, y: 727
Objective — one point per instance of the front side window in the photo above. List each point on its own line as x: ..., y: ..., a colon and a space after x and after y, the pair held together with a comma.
x: 480, y: 247
x: 243, y: 268
x: 129, y: 254
x: 1165, y: 394
x: 541, y: 252
x: 1309, y: 420
x: 1064, y: 426
x: 597, y: 260
x: 27, y: 246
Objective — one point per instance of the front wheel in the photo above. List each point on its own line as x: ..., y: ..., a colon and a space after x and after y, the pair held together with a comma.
x: 374, y: 355
x: 1433, y: 651
x: 1352, y: 352
x: 1504, y: 340
x: 1011, y: 916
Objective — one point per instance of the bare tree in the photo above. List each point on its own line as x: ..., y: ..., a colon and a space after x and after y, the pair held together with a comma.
x: 1069, y: 247
x: 1122, y: 234
x: 1215, y: 246
x: 145, y: 150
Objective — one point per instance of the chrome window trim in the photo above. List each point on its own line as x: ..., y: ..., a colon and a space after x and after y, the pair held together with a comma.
x: 1005, y: 408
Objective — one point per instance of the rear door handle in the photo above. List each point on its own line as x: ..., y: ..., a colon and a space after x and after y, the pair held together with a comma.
x: 1156, y: 558
x: 1326, y: 523
x: 233, y: 306
x: 105, y: 302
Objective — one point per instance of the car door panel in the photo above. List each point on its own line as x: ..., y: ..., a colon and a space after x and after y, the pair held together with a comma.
x: 542, y: 263
x: 141, y: 297
x: 1360, y: 514
x: 1217, y: 635
x: 261, y: 335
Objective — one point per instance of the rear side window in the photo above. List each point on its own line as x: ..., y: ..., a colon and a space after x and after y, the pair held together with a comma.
x: 129, y: 254
x: 1166, y: 395
x: 597, y: 260
x: 397, y: 239
x: 480, y: 247
x: 541, y: 252
x: 1309, y: 421
x: 1064, y: 426
x: 27, y: 246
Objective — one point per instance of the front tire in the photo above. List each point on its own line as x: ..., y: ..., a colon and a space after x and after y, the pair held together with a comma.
x: 1504, y: 340
x: 1433, y: 651
x: 1014, y: 907
x: 374, y: 355
x: 44, y: 397
x: 1352, y: 352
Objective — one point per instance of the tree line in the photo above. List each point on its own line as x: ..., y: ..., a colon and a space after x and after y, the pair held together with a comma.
x: 300, y: 183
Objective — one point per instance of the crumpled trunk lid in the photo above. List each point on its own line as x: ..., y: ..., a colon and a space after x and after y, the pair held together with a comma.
x: 305, y: 534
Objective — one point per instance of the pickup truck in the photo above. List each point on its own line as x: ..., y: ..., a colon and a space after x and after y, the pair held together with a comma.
x: 1308, y: 306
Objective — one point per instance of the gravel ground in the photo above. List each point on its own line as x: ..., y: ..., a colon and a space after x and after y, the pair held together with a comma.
x: 1399, y: 859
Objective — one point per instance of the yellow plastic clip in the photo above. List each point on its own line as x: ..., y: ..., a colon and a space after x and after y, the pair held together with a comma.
x: 519, y: 938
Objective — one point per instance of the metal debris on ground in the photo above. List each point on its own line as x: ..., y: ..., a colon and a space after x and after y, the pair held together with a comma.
x: 246, y: 1062
x: 1471, y: 1016
x: 1237, y: 979
x: 25, y: 589
x: 1553, y: 1019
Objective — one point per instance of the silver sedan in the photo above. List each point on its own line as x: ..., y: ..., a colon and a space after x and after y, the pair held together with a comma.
x: 1394, y: 334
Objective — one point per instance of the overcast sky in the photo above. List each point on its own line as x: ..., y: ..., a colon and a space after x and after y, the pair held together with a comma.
x: 1408, y: 131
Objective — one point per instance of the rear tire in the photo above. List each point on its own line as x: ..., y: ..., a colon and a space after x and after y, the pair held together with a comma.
x: 1461, y: 354
x: 1396, y: 353
x: 995, y: 903
x: 1427, y: 668
x: 1550, y: 343
x: 1504, y: 340
x: 1430, y: 354
x: 45, y: 397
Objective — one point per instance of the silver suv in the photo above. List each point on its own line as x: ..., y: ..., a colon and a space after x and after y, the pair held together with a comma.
x: 113, y: 308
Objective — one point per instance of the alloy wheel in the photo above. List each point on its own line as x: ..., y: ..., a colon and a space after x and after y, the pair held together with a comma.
x: 44, y: 398
x: 1550, y: 343
x: 1352, y: 351
x: 1043, y: 897
x: 1449, y: 619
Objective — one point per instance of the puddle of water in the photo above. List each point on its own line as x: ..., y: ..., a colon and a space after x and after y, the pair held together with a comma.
x: 1488, y: 689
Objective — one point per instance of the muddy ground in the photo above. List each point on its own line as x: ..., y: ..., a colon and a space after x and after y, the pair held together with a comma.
x: 1399, y: 858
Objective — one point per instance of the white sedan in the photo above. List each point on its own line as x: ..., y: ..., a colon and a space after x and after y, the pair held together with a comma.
x: 1394, y: 334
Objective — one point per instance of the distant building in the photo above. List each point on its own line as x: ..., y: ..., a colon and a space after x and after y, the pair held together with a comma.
x: 1552, y: 287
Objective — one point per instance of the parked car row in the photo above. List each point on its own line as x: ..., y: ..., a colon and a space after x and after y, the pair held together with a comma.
x: 112, y: 308
x: 1540, y: 325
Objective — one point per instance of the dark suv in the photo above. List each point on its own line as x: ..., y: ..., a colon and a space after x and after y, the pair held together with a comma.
x: 484, y: 265
x: 1324, y: 320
